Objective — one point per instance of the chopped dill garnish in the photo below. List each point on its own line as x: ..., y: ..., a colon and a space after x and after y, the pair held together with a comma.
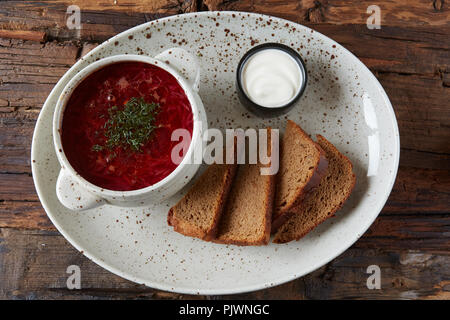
x: 130, y: 127
x: 97, y: 147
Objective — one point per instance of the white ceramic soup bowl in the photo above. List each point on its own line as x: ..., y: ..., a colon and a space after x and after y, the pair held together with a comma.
x: 76, y: 193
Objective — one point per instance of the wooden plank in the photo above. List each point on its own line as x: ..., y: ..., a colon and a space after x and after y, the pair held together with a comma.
x: 30, y: 271
x: 421, y: 191
x: 430, y: 233
x: 424, y: 160
x: 402, y: 13
x: 15, y: 143
x: 51, y: 54
x: 162, y: 6
x: 395, y: 49
x: 17, y: 187
x: 29, y: 70
x: 38, y: 36
x: 105, y: 19
x: 24, y: 215
x: 422, y: 112
x: 99, y: 21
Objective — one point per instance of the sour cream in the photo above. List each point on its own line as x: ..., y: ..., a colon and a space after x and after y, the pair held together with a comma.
x: 271, y: 78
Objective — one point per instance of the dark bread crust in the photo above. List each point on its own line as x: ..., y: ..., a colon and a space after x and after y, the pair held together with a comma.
x: 187, y: 227
x: 279, y: 238
x: 170, y: 217
x: 319, y: 170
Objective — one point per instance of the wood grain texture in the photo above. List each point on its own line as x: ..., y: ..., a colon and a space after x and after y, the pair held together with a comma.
x: 105, y: 19
x: 410, y: 55
x: 161, y: 6
x: 38, y: 36
x: 393, y: 13
x: 35, y: 264
x: 99, y: 21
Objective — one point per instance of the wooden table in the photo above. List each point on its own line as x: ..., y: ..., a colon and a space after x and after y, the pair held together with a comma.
x: 410, y: 55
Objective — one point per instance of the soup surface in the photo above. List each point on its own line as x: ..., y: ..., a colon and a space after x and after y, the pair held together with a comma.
x: 117, y: 126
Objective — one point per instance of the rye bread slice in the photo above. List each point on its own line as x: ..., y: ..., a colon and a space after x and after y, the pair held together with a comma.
x: 302, y: 165
x: 197, y: 214
x: 246, y: 219
x: 333, y: 190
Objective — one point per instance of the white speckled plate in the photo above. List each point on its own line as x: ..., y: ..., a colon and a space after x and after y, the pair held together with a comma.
x: 343, y: 101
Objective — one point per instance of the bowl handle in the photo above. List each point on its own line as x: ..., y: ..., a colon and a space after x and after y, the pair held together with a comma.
x: 73, y: 196
x: 184, y: 62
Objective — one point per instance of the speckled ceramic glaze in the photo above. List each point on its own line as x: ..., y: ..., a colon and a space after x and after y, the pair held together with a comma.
x: 343, y: 101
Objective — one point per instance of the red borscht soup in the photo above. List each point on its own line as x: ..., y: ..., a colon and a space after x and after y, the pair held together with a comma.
x: 117, y: 125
